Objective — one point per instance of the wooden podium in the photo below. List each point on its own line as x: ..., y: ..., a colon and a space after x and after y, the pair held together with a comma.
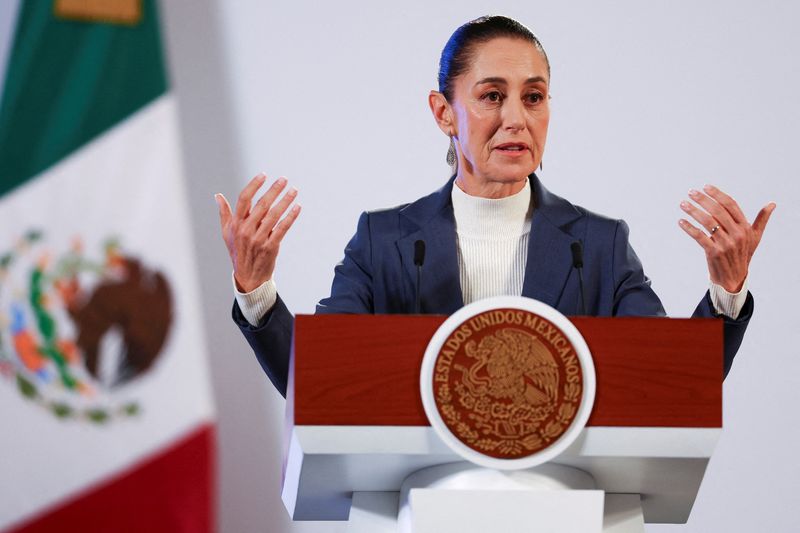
x: 356, y: 425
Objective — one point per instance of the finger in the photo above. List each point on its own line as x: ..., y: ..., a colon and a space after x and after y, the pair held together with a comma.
x: 276, y: 212
x: 730, y: 205
x: 760, y: 223
x: 714, y: 209
x: 246, y: 196
x: 265, y: 202
x: 283, y: 226
x: 698, y: 235
x: 224, y: 210
x: 703, y: 218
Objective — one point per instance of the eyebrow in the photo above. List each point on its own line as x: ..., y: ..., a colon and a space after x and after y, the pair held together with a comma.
x: 496, y: 79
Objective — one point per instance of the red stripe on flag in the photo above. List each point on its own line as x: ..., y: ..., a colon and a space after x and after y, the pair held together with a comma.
x: 171, y: 492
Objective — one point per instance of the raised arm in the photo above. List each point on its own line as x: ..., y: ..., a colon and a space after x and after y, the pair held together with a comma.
x: 252, y: 236
x: 729, y: 245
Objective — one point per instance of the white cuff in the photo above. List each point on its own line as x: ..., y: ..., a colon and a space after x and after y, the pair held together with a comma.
x: 728, y: 303
x: 256, y: 303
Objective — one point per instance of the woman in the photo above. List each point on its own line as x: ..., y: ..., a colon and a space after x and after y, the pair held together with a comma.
x: 493, y: 228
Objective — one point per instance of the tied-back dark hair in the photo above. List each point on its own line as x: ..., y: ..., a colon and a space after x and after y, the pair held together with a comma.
x: 457, y: 53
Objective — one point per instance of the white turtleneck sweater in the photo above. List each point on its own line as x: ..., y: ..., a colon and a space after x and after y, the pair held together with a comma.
x: 492, y: 243
x: 492, y: 247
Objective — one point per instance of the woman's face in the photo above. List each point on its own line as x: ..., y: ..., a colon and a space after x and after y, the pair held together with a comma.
x: 500, y: 112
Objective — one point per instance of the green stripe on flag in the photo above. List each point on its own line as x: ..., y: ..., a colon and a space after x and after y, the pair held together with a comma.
x: 69, y: 81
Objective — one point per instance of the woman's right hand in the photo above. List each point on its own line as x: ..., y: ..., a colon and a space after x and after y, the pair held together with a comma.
x: 253, y: 236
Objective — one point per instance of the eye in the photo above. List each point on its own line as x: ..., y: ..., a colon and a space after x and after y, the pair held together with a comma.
x: 493, y: 97
x: 534, y: 98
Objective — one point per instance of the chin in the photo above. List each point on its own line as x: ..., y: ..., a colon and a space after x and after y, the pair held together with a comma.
x: 513, y: 174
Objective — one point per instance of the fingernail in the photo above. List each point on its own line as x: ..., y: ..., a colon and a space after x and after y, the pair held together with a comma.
x: 708, y: 187
x: 292, y: 191
x: 693, y: 192
x: 685, y: 205
x: 281, y: 181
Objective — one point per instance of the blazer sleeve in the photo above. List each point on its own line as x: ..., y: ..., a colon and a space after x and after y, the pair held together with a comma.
x: 271, y: 341
x: 351, y: 292
x: 633, y: 296
x: 732, y: 329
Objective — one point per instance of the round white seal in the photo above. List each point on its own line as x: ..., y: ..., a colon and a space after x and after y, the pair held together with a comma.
x: 507, y: 382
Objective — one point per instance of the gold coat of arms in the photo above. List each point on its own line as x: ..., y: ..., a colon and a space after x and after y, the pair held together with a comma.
x: 508, y: 383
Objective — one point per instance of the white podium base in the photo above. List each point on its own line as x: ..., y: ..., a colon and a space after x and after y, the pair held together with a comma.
x: 509, y: 511
x: 376, y: 512
x: 373, y: 512
x: 623, y: 514
x: 463, y: 498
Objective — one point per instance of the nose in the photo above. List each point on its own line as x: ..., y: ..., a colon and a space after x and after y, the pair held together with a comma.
x: 514, y: 115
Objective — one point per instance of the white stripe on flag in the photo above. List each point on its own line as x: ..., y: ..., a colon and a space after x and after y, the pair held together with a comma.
x: 128, y: 183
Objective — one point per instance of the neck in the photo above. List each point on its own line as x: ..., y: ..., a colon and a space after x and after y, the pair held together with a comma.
x: 492, y: 218
x: 488, y: 188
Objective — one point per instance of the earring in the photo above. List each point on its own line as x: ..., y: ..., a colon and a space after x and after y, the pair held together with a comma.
x: 451, y: 153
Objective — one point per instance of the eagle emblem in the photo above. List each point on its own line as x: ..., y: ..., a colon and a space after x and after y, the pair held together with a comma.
x: 507, y: 383
x: 76, y: 328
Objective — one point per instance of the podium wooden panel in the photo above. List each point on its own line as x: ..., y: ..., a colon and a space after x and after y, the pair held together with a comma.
x: 650, y: 371
x: 355, y: 420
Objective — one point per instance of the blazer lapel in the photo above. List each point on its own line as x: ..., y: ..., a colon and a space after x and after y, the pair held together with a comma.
x: 549, y: 255
x: 431, y: 220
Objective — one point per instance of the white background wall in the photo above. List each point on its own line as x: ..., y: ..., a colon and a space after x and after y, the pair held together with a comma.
x: 650, y: 99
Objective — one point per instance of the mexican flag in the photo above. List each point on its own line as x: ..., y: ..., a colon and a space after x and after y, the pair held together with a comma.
x: 106, y: 415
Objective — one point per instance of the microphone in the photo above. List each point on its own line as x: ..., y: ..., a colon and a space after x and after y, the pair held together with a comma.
x: 577, y: 263
x: 419, y: 259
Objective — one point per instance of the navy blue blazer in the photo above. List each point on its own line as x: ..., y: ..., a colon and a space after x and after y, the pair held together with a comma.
x: 378, y: 275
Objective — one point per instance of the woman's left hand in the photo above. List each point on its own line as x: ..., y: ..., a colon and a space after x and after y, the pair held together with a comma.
x: 731, y: 240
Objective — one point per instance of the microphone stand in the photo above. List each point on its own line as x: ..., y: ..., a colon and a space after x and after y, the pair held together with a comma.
x: 419, y: 259
x: 577, y: 263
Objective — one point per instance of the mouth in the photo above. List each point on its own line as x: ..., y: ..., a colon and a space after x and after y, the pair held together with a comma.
x: 512, y: 149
